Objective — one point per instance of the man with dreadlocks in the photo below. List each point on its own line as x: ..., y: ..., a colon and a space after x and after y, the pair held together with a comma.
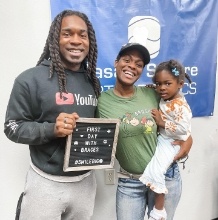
x: 44, y: 104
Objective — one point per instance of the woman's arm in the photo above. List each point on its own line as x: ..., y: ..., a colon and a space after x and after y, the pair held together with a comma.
x: 185, y: 147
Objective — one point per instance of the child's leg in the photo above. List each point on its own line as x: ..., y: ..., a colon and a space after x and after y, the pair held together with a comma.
x: 158, y: 212
x: 154, y: 173
x: 159, y: 201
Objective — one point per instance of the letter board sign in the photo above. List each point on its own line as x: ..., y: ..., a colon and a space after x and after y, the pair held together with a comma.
x: 92, y: 145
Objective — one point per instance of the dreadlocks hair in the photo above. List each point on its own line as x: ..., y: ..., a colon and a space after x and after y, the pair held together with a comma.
x: 175, y: 68
x: 51, y: 52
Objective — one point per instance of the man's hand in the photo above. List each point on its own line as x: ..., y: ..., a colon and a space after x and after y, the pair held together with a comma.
x: 65, y: 123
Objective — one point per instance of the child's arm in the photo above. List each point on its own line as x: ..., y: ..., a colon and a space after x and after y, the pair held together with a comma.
x: 157, y: 117
x: 177, y: 117
x: 178, y: 125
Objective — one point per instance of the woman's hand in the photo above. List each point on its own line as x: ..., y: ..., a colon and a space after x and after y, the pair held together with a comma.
x: 185, y: 147
x: 153, y: 86
x: 65, y: 123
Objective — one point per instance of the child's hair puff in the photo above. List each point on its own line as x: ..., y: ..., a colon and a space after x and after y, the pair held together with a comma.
x: 175, y: 68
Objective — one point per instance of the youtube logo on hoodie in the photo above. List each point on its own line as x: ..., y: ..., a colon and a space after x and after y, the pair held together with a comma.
x: 67, y: 99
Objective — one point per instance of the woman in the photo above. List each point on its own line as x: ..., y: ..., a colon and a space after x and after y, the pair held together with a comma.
x: 137, y: 136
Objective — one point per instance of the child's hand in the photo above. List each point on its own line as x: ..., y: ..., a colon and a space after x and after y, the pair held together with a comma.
x: 157, y: 117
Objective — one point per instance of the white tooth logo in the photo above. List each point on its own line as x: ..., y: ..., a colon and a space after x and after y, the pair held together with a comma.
x: 146, y: 31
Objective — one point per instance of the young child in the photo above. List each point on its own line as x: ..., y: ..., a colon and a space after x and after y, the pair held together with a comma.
x: 174, y: 122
